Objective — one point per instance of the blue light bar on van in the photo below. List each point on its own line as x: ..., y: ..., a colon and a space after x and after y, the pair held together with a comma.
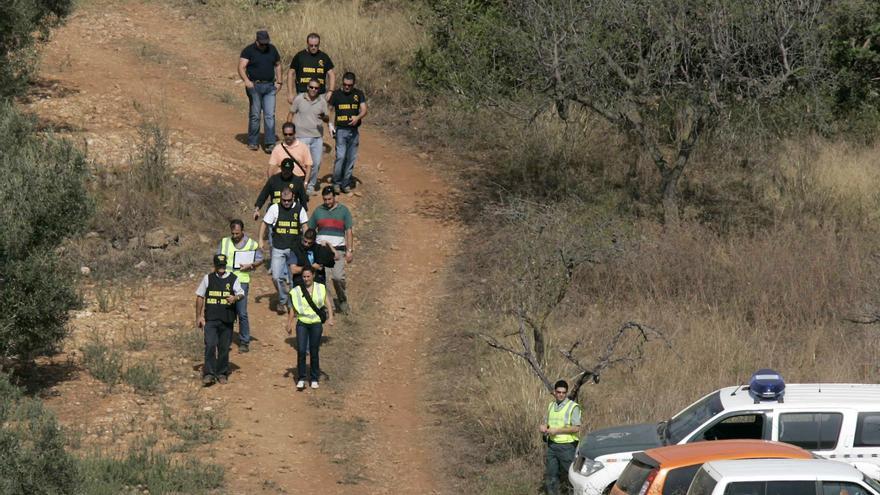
x: 766, y: 384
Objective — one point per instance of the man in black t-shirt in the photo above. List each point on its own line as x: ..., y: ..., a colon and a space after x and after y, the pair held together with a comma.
x: 259, y: 66
x: 274, y: 185
x: 307, y: 64
x: 350, y: 107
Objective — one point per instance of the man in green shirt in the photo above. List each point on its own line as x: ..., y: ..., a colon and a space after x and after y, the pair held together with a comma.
x: 334, y: 224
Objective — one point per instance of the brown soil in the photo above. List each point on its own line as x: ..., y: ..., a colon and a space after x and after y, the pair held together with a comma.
x: 368, y: 429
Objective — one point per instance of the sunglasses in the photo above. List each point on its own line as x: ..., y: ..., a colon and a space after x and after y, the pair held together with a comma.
x: 288, y: 134
x: 315, y: 87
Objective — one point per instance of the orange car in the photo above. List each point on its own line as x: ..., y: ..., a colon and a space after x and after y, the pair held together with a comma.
x: 670, y: 470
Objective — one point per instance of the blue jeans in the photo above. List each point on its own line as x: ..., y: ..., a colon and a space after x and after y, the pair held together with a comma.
x: 347, y: 140
x: 316, y: 149
x: 244, y: 326
x: 262, y: 99
x: 281, y: 259
x: 308, y: 338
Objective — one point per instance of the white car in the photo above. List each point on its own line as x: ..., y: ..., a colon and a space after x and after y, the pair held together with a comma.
x: 834, y: 421
x: 781, y: 477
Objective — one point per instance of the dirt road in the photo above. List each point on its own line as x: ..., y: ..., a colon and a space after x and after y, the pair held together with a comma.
x: 367, y: 430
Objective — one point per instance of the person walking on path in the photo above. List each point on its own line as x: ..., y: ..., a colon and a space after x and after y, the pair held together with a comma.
x: 318, y: 256
x: 259, y: 66
x: 562, y: 424
x: 335, y: 225
x: 309, y: 111
x: 286, y: 220
x: 310, y: 311
x: 349, y: 107
x: 216, y: 297
x: 275, y: 184
x: 310, y: 63
x: 291, y: 148
x: 238, y: 242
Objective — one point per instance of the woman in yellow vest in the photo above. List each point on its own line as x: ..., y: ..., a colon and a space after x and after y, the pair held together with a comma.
x: 561, y: 426
x: 310, y: 309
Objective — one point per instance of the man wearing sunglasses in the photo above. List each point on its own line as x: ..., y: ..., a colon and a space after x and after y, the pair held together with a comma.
x: 350, y: 107
x: 286, y: 219
x: 291, y: 147
x: 308, y: 113
x: 308, y: 64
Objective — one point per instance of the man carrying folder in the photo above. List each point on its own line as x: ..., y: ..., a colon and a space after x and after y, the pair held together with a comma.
x: 242, y: 257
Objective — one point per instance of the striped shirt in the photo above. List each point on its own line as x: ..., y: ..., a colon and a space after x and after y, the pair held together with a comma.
x: 331, y: 224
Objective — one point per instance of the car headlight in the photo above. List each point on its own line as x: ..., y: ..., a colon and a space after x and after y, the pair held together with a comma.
x: 588, y: 467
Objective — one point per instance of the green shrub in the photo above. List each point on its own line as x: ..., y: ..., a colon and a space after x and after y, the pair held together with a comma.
x: 42, y: 201
x: 103, y: 362
x: 197, y: 426
x: 144, y: 377
x: 32, y: 455
x: 144, y: 471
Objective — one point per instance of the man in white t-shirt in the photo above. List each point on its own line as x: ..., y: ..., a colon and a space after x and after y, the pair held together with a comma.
x: 286, y: 219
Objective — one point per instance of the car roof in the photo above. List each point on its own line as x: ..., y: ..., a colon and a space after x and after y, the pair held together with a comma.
x: 805, y: 394
x: 782, y: 469
x: 675, y: 456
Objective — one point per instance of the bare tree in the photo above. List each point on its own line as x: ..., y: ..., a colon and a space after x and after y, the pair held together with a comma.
x: 666, y: 72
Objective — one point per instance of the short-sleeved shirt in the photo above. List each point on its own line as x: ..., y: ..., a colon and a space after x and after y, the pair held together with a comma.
x: 331, y: 224
x: 308, y: 66
x: 299, y: 151
x: 307, y: 116
x: 261, y: 65
x: 258, y: 254
x: 203, y: 286
x: 271, y: 215
x: 347, y: 105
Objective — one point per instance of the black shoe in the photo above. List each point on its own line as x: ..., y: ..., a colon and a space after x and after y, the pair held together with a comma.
x: 208, y: 380
x: 268, y: 148
x: 223, y: 380
x: 253, y: 147
x: 243, y: 348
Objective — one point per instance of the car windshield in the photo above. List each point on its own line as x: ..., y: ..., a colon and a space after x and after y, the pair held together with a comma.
x: 872, y: 483
x: 683, y: 423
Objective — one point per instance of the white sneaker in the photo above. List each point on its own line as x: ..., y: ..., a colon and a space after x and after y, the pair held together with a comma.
x: 314, y: 384
x: 300, y: 384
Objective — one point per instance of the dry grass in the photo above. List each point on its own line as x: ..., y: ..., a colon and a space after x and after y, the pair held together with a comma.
x: 375, y: 42
x: 729, y: 303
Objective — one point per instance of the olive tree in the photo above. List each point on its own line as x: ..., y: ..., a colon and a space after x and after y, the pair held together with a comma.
x: 665, y: 72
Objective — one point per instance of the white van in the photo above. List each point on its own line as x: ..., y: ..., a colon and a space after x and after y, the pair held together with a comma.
x: 781, y: 477
x: 834, y: 421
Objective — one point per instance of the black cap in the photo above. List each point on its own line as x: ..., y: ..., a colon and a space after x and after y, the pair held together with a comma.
x: 263, y: 36
x: 287, y: 164
x: 219, y: 260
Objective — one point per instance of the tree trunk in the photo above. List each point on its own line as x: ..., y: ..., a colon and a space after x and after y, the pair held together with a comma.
x: 538, y: 336
x: 669, y: 192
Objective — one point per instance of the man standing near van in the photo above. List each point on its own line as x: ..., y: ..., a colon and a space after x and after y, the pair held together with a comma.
x: 561, y: 427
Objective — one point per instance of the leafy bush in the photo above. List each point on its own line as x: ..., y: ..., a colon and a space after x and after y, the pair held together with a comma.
x: 32, y: 457
x: 42, y: 200
x: 18, y: 22
x: 145, y: 471
x: 103, y: 362
x: 144, y: 377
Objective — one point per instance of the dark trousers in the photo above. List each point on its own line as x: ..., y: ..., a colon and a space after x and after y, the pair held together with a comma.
x: 218, y: 338
x: 559, y: 458
x: 308, y: 338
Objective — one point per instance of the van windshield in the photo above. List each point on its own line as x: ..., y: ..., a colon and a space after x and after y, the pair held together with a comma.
x: 691, y: 418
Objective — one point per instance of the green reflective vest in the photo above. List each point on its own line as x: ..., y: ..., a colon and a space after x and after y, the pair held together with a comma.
x: 304, y: 312
x: 560, y: 419
x: 228, y: 248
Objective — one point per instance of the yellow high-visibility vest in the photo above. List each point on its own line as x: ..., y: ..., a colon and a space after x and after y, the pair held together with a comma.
x: 304, y: 312
x: 228, y: 248
x: 560, y: 419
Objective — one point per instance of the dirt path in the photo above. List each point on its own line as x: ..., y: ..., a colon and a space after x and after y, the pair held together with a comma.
x: 368, y: 429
